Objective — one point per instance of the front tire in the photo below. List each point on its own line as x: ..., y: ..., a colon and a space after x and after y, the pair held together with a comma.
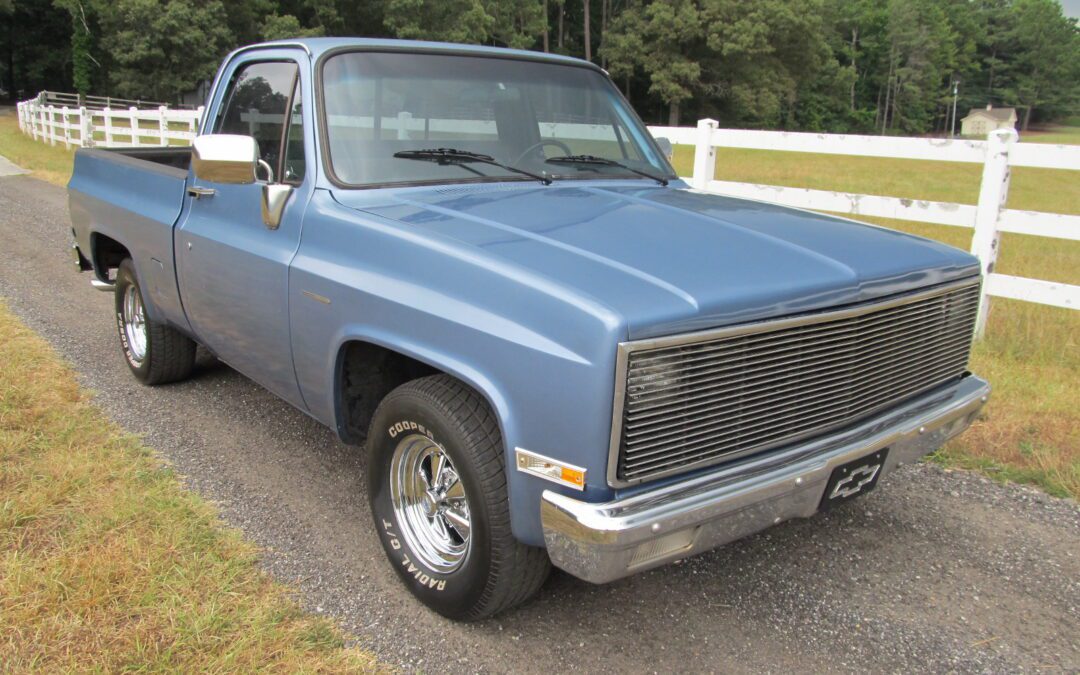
x: 437, y: 489
x: 155, y: 352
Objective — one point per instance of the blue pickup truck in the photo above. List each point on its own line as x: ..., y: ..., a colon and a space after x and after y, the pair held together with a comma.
x: 478, y: 264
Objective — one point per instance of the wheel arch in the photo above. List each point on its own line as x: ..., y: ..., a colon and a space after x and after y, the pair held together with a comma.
x: 106, y: 254
x: 394, y: 364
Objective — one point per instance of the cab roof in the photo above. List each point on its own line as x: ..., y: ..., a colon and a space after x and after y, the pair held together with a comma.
x: 318, y: 46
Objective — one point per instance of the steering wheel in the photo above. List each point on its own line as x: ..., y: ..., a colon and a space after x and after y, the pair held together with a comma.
x: 536, y: 146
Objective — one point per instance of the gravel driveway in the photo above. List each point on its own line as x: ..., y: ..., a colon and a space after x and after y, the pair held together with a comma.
x: 933, y: 571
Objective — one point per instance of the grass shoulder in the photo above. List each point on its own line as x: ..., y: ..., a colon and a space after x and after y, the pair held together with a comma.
x: 107, y: 563
x: 50, y: 163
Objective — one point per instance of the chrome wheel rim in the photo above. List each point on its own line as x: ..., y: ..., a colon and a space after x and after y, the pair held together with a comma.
x: 430, y: 504
x: 134, y: 324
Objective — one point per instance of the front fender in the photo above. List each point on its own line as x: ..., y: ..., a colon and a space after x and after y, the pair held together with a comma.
x: 544, y: 361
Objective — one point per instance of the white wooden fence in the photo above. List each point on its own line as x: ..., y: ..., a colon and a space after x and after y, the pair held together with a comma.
x: 988, y: 218
x: 108, y: 127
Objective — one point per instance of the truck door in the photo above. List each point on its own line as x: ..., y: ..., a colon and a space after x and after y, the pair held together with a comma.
x: 233, y: 268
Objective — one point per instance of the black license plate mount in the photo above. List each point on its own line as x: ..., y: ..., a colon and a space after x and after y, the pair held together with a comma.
x: 853, y: 479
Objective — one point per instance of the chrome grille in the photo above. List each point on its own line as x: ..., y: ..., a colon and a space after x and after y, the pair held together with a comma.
x: 691, y: 401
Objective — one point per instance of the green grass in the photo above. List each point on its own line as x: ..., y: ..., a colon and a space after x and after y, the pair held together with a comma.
x: 50, y: 163
x: 107, y: 564
x: 1066, y: 135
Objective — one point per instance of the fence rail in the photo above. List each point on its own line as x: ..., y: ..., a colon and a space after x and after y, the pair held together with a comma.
x: 106, y: 127
x: 60, y: 99
x: 988, y: 218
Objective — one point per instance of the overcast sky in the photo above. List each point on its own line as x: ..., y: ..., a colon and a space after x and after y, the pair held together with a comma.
x: 1072, y: 7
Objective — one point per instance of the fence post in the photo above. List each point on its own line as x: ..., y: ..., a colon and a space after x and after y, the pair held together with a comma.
x: 133, y: 113
x: 704, y: 154
x: 163, y: 125
x: 403, y: 119
x: 86, y: 128
x: 67, y: 127
x: 993, y: 191
x: 197, y: 119
x: 106, y: 115
x: 52, y: 124
x: 51, y: 116
x: 253, y: 121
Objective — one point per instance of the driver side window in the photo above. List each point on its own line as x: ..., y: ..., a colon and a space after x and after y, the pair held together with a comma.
x: 258, y: 98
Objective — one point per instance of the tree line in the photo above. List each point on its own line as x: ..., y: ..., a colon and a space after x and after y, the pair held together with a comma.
x: 888, y: 66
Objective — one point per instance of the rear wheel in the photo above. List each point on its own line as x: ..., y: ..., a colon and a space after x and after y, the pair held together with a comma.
x: 437, y: 487
x: 155, y: 352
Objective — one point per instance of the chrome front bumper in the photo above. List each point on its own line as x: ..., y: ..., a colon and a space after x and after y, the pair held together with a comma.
x: 604, y: 542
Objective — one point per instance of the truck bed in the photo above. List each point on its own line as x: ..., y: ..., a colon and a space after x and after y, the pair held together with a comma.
x: 177, y: 157
x: 133, y: 196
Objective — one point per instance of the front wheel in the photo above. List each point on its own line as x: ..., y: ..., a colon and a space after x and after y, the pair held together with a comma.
x: 437, y: 488
x: 156, y: 353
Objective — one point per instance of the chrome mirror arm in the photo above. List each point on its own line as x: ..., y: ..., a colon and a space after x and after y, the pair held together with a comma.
x: 263, y: 164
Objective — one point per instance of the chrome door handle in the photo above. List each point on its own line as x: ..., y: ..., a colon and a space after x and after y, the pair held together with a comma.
x: 200, y: 192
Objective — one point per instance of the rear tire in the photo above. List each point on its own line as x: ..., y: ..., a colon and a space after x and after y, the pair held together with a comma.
x: 437, y: 489
x: 155, y: 352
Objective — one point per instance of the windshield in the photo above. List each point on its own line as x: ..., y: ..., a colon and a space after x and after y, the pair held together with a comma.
x: 520, y: 113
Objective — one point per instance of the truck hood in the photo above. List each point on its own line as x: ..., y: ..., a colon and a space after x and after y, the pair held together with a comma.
x: 673, y: 259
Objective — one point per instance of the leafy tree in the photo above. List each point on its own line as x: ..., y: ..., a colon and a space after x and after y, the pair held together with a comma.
x: 247, y: 19
x: 83, y: 62
x: 450, y: 20
x: 508, y: 23
x: 1046, y: 64
x: 257, y: 94
x: 995, y: 21
x: 827, y: 65
x: 624, y: 42
x: 35, y: 39
x: 922, y: 54
x: 516, y: 23
x: 664, y: 39
x: 759, y: 53
x: 161, y: 49
x: 276, y: 27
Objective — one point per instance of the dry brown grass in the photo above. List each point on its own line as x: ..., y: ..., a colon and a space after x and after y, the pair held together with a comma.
x: 108, y: 564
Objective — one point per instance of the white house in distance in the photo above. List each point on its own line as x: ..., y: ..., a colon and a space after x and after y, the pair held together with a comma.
x: 981, y: 121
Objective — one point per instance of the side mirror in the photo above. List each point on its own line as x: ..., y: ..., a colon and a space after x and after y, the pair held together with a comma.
x: 665, y: 147
x: 225, y: 158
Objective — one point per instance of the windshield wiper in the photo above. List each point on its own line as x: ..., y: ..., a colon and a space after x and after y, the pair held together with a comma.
x: 603, y: 161
x: 446, y: 156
